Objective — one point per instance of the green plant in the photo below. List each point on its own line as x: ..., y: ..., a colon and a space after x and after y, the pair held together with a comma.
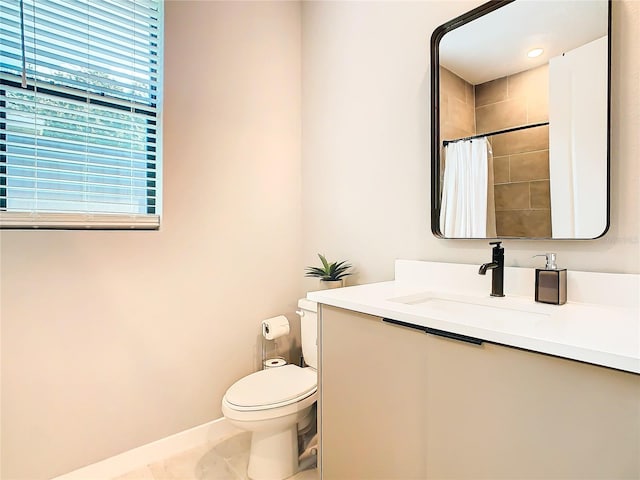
x: 329, y: 271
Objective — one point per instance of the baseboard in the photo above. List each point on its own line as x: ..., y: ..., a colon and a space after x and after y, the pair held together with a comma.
x: 152, y: 452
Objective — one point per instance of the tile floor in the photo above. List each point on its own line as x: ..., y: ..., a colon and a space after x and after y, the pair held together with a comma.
x: 226, y: 460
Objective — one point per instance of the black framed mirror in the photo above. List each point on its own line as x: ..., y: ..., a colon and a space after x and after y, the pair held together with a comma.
x: 520, y: 120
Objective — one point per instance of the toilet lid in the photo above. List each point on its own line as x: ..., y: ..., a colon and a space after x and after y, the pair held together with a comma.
x: 273, y: 387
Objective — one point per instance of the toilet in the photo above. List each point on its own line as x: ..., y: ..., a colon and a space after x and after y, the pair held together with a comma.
x: 276, y: 403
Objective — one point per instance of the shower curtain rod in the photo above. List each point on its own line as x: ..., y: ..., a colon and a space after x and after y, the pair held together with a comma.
x: 497, y: 132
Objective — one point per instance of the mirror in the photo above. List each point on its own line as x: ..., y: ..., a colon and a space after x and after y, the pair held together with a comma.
x: 520, y: 139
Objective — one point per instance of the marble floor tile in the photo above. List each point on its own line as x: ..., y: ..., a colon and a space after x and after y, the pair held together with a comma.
x: 179, y: 467
x: 225, y: 460
x: 228, y: 459
x: 311, y: 474
x: 144, y: 473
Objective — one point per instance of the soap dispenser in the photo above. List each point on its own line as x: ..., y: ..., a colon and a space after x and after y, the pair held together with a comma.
x: 551, y: 282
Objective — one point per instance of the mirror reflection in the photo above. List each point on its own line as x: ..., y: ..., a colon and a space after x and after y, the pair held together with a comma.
x: 522, y: 133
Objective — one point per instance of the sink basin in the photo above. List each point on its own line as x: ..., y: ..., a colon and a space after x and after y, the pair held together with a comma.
x: 462, y: 306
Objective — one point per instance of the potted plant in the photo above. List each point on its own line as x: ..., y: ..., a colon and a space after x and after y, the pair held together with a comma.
x: 331, y: 275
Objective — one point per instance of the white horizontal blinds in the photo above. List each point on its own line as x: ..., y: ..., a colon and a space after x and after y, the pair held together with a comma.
x: 79, y: 95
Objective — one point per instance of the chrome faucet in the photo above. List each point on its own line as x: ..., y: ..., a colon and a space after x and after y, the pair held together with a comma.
x: 497, y: 270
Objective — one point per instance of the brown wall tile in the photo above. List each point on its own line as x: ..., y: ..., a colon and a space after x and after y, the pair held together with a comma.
x: 521, y: 141
x: 537, y: 109
x: 510, y: 223
x: 491, y: 92
x: 512, y: 196
x: 538, y: 223
x: 461, y: 114
x: 470, y: 94
x: 529, y: 166
x: 451, y: 132
x: 524, y: 223
x: 498, y: 116
x: 529, y: 82
x: 457, y: 112
x: 501, y: 169
x: 452, y: 84
x: 540, y: 196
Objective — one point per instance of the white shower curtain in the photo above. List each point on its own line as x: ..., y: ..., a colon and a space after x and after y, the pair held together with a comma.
x: 467, y: 209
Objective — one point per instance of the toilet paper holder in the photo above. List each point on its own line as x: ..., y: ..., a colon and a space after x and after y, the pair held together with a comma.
x: 275, y: 327
x: 272, y: 330
x: 271, y: 358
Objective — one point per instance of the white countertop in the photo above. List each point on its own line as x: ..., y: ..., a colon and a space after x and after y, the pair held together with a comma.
x: 605, y: 330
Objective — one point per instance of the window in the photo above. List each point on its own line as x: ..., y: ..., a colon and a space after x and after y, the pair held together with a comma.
x: 80, y: 94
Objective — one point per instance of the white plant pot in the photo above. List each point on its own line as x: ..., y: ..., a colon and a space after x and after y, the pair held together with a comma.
x: 327, y: 284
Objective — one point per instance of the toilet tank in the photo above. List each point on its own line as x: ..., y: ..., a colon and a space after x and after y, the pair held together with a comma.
x: 308, y: 312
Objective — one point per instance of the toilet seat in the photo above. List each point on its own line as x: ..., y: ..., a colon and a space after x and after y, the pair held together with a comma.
x: 272, y: 388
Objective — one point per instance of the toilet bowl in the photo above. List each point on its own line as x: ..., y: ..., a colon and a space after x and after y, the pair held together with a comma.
x: 275, y: 404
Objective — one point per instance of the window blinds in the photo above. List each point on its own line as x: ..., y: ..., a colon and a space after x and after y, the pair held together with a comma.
x: 79, y: 113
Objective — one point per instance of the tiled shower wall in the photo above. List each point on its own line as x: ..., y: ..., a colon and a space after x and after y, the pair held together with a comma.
x: 457, y: 106
x: 521, y: 158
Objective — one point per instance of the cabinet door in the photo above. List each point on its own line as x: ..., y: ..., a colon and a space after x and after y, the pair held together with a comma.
x: 372, y: 398
x: 396, y: 403
x: 502, y: 413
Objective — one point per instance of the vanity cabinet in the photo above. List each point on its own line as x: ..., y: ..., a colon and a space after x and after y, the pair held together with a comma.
x: 397, y: 403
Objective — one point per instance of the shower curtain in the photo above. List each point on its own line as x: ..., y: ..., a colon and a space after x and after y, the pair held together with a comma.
x: 468, y: 208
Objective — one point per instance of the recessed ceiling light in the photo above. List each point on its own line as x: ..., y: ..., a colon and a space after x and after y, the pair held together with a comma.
x: 536, y: 52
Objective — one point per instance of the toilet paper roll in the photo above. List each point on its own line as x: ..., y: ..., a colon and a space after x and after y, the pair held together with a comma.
x: 274, y: 362
x: 275, y: 327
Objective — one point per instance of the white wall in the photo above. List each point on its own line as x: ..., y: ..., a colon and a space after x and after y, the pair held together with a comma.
x: 114, y: 339
x: 111, y: 340
x: 366, y: 137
